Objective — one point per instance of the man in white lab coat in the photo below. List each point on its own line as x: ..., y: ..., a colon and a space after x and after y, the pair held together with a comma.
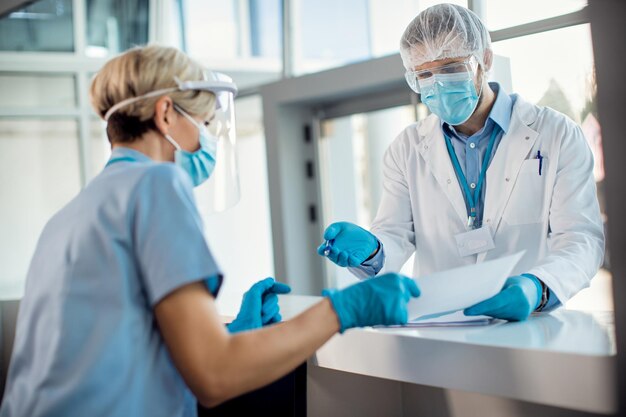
x: 487, y: 174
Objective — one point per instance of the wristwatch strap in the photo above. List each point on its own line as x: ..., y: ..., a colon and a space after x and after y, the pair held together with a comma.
x: 544, y: 296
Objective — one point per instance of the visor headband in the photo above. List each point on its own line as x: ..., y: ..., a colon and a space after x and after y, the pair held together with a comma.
x: 204, y: 85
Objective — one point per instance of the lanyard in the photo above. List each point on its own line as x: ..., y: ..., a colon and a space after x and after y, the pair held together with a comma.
x: 472, y: 198
x: 120, y: 159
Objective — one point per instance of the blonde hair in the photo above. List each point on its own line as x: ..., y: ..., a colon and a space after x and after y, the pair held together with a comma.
x: 139, y: 71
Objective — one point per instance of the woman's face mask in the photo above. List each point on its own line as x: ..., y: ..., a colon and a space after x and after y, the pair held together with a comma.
x: 201, y: 163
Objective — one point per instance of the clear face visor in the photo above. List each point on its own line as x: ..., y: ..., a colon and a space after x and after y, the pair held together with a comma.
x: 454, y: 71
x: 222, y: 190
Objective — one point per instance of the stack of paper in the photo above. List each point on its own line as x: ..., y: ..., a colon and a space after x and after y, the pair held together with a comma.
x: 444, y: 294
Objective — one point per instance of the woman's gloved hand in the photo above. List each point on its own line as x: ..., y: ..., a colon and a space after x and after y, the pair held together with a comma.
x: 378, y: 300
x: 350, y: 244
x: 259, y: 306
x: 519, y: 297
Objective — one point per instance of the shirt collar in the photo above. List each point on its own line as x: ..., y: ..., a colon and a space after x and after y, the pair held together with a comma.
x: 502, y: 108
x: 128, y: 153
x: 500, y: 112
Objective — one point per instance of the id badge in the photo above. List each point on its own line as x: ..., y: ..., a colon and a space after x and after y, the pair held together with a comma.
x: 475, y: 241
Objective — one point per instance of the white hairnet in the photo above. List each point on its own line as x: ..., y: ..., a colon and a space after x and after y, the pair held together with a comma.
x: 444, y: 31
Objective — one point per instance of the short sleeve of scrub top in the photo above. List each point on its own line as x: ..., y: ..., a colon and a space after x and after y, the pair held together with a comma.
x: 168, y: 238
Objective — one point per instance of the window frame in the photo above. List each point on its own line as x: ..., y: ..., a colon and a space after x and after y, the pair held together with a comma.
x: 79, y: 65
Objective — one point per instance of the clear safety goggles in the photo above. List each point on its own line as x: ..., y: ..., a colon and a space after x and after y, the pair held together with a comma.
x: 455, y: 71
x: 221, y: 191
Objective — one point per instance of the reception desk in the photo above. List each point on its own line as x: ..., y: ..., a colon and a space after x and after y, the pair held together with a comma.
x: 559, y: 363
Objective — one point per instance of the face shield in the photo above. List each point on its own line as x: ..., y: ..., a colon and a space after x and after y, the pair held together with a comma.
x: 221, y: 191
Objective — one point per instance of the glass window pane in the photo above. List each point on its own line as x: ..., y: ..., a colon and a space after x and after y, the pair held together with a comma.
x: 37, y: 90
x: 543, y: 77
x: 266, y: 28
x: 241, y: 38
x: 500, y: 14
x: 211, y: 29
x: 356, y: 30
x: 116, y: 25
x: 48, y: 150
x: 386, y: 24
x: 351, y: 152
x: 45, y: 25
x: 331, y: 39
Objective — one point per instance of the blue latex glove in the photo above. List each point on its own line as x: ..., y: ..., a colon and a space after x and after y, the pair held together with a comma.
x: 259, y: 306
x: 350, y: 244
x: 378, y: 300
x: 519, y: 297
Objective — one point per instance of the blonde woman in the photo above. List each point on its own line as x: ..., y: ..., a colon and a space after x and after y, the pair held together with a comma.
x: 118, y: 317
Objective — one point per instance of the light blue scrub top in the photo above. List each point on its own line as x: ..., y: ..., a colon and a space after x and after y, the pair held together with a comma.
x: 87, y: 343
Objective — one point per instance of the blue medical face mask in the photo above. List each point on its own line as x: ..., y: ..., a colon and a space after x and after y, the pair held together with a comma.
x: 201, y: 163
x: 452, y: 97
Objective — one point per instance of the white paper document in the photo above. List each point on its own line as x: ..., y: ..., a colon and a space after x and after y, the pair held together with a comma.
x: 456, y: 319
x: 449, y: 291
x: 451, y: 319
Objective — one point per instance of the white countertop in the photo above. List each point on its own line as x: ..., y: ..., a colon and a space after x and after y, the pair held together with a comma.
x: 565, y: 358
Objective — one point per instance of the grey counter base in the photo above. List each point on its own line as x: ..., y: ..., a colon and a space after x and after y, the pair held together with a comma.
x: 332, y: 393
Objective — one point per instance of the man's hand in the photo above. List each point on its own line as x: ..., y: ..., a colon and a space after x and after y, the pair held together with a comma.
x: 519, y: 297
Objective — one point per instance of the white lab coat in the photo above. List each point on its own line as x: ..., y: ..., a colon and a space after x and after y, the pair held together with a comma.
x: 554, y: 217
